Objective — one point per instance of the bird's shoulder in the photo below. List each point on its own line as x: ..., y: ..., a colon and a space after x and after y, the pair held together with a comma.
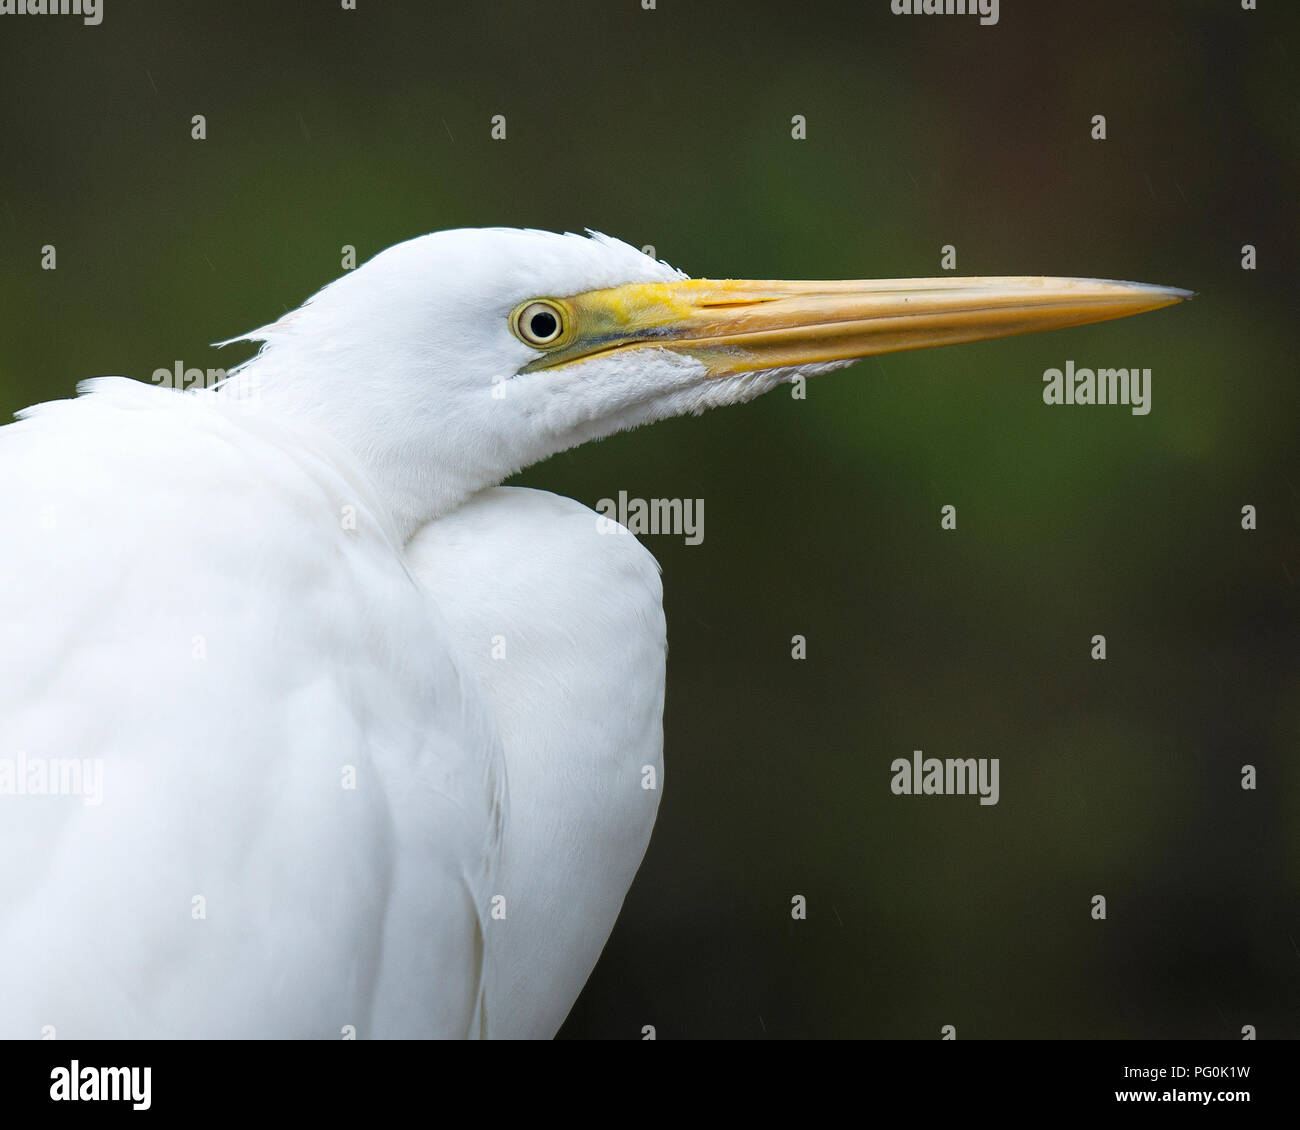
x: 545, y: 596
x: 518, y: 539
x: 557, y: 615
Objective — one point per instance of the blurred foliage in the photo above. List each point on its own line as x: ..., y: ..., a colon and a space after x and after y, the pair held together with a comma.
x: 672, y: 127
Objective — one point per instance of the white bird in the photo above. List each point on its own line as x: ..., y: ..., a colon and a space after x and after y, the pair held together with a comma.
x: 308, y: 727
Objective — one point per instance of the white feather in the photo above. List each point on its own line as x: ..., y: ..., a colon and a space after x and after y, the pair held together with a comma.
x: 211, y: 598
x: 558, y: 616
x: 184, y: 605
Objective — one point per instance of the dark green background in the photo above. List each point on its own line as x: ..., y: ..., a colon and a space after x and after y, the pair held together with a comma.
x: 672, y: 127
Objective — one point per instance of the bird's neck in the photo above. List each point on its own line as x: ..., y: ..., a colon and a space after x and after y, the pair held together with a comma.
x: 404, y: 471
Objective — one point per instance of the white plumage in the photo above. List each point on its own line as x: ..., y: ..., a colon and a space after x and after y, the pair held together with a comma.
x: 377, y: 736
x: 208, y: 594
x: 563, y: 627
x: 197, y: 619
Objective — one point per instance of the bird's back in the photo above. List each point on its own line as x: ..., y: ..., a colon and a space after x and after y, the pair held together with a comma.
x: 287, y: 794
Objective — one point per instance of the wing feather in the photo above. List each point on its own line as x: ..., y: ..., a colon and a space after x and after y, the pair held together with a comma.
x: 301, y: 791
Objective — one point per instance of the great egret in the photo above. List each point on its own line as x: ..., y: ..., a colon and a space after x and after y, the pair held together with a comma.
x: 357, y: 739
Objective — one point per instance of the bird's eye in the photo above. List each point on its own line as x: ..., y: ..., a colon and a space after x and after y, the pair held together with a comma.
x: 538, y: 323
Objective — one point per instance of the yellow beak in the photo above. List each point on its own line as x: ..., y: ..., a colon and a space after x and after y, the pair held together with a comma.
x: 736, y: 326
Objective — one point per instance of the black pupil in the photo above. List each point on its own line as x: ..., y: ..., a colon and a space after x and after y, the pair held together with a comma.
x: 543, y: 324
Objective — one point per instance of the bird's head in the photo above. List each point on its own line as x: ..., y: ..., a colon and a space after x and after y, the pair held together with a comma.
x: 451, y: 361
